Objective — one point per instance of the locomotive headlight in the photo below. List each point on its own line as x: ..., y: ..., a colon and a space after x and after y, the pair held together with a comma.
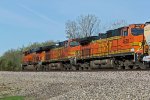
x: 132, y: 50
x: 57, y: 44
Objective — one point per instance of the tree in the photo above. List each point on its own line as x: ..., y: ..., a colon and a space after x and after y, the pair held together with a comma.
x: 88, y: 25
x: 84, y: 26
x: 114, y: 25
x: 72, y: 29
x: 12, y: 59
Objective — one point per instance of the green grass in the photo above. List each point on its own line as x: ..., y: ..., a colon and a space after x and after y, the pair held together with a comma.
x: 13, y: 98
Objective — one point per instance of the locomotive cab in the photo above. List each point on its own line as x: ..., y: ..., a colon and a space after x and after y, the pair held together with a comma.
x: 73, y: 50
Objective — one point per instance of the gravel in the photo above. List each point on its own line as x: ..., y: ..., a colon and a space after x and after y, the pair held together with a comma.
x: 102, y: 85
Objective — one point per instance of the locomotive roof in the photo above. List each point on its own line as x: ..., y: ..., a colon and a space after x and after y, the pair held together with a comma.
x: 147, y: 23
x: 46, y: 48
x: 102, y: 35
x: 87, y: 40
x: 61, y: 44
x: 38, y: 49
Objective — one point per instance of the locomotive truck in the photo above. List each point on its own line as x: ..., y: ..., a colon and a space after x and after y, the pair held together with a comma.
x: 123, y: 48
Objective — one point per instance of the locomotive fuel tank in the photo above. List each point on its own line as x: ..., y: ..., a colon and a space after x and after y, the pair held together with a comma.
x: 105, y: 63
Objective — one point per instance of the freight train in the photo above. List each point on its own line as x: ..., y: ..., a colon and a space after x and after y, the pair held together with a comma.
x: 123, y: 48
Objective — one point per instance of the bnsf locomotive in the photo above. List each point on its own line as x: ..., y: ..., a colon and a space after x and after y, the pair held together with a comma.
x: 123, y: 48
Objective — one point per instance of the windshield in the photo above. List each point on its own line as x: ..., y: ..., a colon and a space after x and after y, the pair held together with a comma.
x: 137, y: 31
x: 74, y: 43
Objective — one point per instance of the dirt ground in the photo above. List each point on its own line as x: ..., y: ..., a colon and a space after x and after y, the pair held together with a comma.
x: 101, y: 85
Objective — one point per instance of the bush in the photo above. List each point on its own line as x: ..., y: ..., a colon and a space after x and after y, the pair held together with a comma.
x: 12, y: 59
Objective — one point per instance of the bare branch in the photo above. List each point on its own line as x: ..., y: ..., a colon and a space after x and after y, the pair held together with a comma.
x: 72, y: 29
x: 84, y: 26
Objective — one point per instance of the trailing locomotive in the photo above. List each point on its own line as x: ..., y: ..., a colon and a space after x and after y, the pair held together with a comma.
x: 122, y: 48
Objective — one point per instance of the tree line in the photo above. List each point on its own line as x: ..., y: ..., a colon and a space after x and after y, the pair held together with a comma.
x: 83, y: 26
x: 12, y: 59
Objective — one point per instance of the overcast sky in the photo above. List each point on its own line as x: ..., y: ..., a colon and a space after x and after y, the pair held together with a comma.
x: 27, y: 21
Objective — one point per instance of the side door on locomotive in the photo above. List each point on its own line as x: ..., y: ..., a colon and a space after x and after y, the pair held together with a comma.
x: 88, y: 47
x: 74, y: 49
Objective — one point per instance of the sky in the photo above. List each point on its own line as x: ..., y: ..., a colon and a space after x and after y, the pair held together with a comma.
x: 27, y: 21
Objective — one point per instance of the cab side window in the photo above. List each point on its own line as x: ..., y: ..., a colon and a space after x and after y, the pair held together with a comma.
x: 66, y: 44
x: 74, y: 43
x: 125, y: 33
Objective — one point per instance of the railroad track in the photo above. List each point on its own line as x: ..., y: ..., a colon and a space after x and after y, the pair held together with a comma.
x: 94, y: 70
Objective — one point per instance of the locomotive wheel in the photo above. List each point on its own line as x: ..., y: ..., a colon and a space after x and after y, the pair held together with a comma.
x: 135, y: 67
x: 67, y: 67
x: 36, y: 67
x: 23, y: 68
x: 30, y: 68
x: 85, y: 68
x: 147, y: 65
x: 80, y: 68
x: 116, y: 64
x: 39, y: 68
x: 46, y: 68
x: 63, y: 68
x: 120, y: 67
x: 142, y: 66
x: 127, y: 64
x: 89, y: 68
x: 139, y: 65
x: 127, y: 67
x: 73, y: 68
